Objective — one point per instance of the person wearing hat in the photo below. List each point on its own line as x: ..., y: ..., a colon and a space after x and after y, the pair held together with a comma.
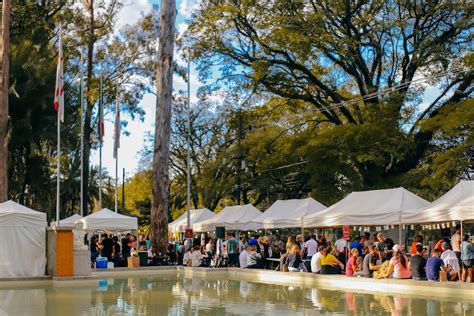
x: 398, y: 265
x: 450, y: 258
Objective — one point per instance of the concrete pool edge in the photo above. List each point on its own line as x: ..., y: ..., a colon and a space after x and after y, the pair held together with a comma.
x: 455, y: 290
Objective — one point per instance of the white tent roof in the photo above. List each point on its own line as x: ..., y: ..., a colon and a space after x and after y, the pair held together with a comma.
x: 196, y: 216
x: 456, y: 204
x: 376, y: 207
x: 231, y: 217
x: 70, y: 221
x: 106, y: 219
x: 285, y: 214
x: 13, y: 214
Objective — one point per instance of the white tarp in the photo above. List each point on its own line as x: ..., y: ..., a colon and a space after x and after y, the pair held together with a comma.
x: 456, y: 204
x: 231, y: 217
x: 196, y: 216
x: 106, y: 219
x: 376, y: 207
x: 23, y: 236
x: 70, y: 221
x: 285, y: 214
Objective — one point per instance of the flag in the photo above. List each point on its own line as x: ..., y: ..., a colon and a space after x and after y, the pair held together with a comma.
x: 117, y: 129
x: 59, y: 89
x: 101, y: 129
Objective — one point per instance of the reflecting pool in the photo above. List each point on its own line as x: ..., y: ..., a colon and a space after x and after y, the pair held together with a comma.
x: 183, y: 296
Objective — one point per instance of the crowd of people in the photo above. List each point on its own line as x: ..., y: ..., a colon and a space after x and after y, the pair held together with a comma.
x: 371, y: 256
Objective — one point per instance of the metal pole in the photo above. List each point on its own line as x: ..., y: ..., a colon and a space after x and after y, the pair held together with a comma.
x: 123, y: 190
x: 116, y: 182
x: 101, y: 105
x: 188, y: 156
x: 82, y: 139
x: 58, y: 171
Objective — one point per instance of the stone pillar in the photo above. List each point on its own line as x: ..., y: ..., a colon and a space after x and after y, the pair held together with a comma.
x: 60, y: 252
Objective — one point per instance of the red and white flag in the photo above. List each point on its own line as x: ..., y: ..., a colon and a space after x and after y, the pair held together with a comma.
x: 117, y: 129
x: 59, y: 90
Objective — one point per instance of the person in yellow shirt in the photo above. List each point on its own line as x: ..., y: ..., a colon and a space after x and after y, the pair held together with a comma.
x: 329, y: 263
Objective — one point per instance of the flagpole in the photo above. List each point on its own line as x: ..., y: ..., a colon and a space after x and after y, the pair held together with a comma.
x: 101, y: 104
x: 82, y: 137
x: 116, y: 182
x: 117, y: 134
x: 58, y: 170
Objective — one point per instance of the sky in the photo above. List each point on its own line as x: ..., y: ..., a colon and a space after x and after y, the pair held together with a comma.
x: 130, y: 145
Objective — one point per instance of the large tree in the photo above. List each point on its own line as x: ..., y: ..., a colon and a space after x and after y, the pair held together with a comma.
x: 354, y: 65
x: 4, y: 72
x: 161, y: 149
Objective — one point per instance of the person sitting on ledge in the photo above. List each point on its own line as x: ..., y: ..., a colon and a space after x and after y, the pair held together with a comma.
x: 434, y: 265
x: 398, y: 265
x: 253, y: 257
x: 450, y: 258
x: 369, y: 265
x: 196, y: 257
x: 329, y: 263
x: 417, y: 264
x: 187, y: 258
x: 293, y: 260
x: 316, y: 260
x: 351, y: 266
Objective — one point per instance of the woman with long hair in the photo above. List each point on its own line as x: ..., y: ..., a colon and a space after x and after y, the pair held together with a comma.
x: 398, y: 265
x: 294, y: 259
x: 329, y: 263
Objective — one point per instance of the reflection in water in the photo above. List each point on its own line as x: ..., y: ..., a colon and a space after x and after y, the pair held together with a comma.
x: 181, y: 296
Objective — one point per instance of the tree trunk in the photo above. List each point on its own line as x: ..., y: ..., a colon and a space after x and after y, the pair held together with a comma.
x: 161, y: 150
x: 4, y: 72
x: 89, y: 108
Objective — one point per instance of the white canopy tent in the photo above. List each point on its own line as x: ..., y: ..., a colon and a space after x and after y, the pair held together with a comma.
x: 231, y: 217
x: 456, y: 204
x: 376, y: 207
x: 23, y: 235
x: 106, y: 219
x: 196, y: 216
x: 70, y: 221
x: 285, y: 214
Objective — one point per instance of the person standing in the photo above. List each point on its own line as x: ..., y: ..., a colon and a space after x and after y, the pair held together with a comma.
x: 456, y: 243
x: 233, y: 250
x: 467, y: 256
x: 116, y: 251
x: 125, y: 246
x: 311, y: 248
x: 107, y: 247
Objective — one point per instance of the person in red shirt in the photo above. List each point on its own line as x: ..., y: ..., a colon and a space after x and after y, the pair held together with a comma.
x: 418, y: 240
x: 351, y: 266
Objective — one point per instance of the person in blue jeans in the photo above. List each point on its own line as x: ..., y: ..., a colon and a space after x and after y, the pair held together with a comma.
x: 434, y: 265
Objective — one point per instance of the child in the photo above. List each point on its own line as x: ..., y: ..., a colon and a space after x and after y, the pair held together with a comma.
x: 294, y: 259
x: 351, y: 266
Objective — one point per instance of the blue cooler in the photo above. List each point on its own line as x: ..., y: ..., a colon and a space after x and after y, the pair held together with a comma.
x: 101, y: 263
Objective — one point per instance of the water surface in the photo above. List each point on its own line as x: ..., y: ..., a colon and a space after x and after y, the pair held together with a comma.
x: 182, y: 296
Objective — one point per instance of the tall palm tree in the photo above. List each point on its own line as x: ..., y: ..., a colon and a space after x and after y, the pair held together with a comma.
x: 4, y: 72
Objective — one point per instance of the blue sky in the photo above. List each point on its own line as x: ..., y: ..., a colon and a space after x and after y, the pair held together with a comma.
x: 130, y: 145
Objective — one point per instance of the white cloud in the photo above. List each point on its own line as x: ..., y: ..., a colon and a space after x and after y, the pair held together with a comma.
x: 187, y: 7
x: 132, y: 11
